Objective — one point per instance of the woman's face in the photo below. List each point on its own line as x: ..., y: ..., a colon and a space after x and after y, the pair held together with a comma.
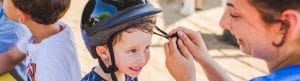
x: 253, y: 35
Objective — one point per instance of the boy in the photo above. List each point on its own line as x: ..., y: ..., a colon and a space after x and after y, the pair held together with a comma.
x: 50, y: 51
x: 118, y: 34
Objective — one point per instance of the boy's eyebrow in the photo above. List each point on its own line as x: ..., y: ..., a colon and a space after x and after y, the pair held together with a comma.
x: 131, y: 45
x: 135, y: 45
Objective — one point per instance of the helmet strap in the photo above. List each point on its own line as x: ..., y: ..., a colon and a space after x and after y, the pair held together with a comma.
x: 112, y: 68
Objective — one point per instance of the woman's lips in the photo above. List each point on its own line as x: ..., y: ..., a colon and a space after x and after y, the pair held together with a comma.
x: 239, y: 41
x: 135, y: 69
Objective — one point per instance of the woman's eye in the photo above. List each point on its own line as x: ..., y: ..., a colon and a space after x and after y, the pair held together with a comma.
x: 234, y: 16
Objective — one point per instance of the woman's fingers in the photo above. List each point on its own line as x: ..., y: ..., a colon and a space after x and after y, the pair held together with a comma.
x: 184, y: 50
x: 173, y: 46
x: 166, y: 49
x: 192, y: 35
x: 186, y: 41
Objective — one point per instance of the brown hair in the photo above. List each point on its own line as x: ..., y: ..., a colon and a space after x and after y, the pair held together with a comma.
x: 43, y: 11
x: 271, y: 9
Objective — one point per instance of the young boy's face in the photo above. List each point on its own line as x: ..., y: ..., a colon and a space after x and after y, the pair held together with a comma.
x: 132, y: 52
x: 10, y: 10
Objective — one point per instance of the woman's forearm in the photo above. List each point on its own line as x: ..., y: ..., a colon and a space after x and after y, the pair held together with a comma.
x: 213, y: 71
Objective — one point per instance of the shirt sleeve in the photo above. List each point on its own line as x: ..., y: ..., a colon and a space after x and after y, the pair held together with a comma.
x: 22, y: 45
x: 9, y: 32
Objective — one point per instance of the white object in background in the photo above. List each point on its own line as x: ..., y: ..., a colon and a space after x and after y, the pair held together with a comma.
x: 188, y: 7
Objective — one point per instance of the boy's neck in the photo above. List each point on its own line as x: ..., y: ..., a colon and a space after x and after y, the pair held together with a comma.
x: 107, y: 76
x: 41, y: 32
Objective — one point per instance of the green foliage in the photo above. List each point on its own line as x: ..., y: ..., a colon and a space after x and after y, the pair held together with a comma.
x: 103, y: 16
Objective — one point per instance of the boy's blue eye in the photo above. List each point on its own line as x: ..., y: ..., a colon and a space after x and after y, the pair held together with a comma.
x: 147, y: 47
x: 132, y: 50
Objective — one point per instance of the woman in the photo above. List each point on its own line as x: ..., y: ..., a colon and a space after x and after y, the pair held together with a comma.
x: 265, y: 29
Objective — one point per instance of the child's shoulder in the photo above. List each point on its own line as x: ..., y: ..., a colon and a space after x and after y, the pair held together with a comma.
x: 62, y: 46
x: 64, y: 36
x: 62, y: 42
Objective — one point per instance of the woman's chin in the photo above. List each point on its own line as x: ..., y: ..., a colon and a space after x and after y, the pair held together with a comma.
x: 245, y: 50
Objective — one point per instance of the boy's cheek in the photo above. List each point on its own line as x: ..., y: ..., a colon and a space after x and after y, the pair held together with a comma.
x: 147, y: 57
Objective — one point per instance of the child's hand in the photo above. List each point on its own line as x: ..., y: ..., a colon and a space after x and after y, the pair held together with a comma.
x: 180, y: 66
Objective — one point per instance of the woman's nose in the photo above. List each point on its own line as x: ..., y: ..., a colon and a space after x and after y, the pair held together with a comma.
x: 226, y: 21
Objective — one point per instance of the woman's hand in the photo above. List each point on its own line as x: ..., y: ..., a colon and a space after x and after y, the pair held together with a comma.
x: 180, y: 66
x: 194, y: 43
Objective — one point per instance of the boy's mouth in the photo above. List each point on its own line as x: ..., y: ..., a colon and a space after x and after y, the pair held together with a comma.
x: 136, y: 69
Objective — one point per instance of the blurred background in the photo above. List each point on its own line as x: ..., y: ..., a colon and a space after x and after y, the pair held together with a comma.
x: 204, y: 19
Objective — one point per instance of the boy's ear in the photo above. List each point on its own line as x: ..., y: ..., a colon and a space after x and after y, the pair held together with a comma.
x: 21, y: 16
x: 102, y: 52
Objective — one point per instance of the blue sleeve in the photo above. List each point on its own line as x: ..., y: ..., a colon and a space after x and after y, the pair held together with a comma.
x: 10, y: 32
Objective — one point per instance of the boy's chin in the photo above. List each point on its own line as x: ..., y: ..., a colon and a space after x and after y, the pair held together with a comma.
x: 133, y: 74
